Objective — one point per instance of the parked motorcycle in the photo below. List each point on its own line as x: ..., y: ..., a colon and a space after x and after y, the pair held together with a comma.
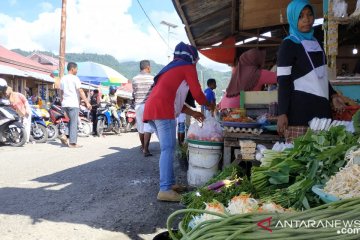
x: 130, y: 117
x: 106, y: 121
x: 61, y: 120
x: 52, y: 130
x: 84, y: 117
x: 122, y: 117
x: 12, y: 131
x: 38, y: 132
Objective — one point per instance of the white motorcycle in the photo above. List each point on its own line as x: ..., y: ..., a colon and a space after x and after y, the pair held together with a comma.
x: 12, y: 131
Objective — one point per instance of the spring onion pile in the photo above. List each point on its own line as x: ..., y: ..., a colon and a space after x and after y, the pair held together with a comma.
x: 270, y: 156
x: 246, y: 226
x: 345, y: 184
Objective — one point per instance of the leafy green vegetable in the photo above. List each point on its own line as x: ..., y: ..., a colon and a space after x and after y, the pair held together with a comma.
x: 356, y: 121
x: 313, y: 160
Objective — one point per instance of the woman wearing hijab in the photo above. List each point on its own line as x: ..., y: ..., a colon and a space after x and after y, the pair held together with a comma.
x: 165, y: 102
x: 249, y: 75
x: 304, y: 89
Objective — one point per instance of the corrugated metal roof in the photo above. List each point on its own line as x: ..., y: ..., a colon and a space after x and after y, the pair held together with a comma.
x: 7, y: 70
x: 209, y: 22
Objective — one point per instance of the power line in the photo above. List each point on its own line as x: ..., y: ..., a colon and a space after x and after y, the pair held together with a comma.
x: 167, y: 44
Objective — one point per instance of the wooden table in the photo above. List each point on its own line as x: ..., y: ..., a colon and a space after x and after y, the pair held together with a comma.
x: 231, y: 140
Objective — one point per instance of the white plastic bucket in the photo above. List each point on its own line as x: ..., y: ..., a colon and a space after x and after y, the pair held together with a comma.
x: 204, y: 157
x: 197, y: 176
x: 203, y: 163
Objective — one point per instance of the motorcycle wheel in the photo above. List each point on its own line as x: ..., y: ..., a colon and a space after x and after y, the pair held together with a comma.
x: 117, y: 126
x: 16, y: 136
x: 122, y: 125
x: 85, y: 129
x: 100, y: 127
x: 61, y: 128
x: 53, y: 132
x: 39, y: 133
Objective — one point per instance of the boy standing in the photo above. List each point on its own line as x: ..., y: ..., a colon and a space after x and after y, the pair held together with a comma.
x: 210, y: 94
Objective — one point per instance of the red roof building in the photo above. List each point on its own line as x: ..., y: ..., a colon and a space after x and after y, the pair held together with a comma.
x: 22, y: 73
x: 13, y: 59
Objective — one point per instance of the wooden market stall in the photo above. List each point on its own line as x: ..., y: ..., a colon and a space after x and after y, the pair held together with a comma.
x: 25, y: 75
x: 223, y: 29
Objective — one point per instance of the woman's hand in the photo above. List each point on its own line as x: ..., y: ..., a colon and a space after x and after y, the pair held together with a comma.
x: 282, y: 124
x: 338, y: 103
x: 198, y: 116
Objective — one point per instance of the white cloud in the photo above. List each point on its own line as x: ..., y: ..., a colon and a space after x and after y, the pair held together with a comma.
x: 103, y: 27
x: 12, y: 2
x: 46, y: 6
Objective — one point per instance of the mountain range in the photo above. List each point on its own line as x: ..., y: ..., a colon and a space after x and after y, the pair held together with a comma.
x: 131, y: 68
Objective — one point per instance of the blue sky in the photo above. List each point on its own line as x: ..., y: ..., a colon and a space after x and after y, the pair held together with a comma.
x: 27, y: 9
x: 30, y: 9
x: 116, y: 27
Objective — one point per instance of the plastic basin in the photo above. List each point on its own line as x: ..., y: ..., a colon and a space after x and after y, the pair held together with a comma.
x: 327, y: 198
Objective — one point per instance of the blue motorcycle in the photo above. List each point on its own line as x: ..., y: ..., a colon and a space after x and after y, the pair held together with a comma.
x: 106, y: 122
x: 39, y: 132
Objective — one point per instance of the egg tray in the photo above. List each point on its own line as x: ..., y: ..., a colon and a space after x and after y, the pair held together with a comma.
x: 255, y: 131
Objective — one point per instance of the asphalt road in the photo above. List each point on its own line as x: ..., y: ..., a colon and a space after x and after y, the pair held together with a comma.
x: 103, y: 191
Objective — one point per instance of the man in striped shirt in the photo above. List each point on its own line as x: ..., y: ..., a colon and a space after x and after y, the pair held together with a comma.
x: 141, y: 85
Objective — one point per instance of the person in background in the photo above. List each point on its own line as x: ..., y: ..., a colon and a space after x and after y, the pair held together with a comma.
x: 70, y: 92
x: 94, y: 101
x: 248, y: 75
x: 210, y: 94
x: 181, y: 128
x: 112, y: 99
x: 19, y: 103
x: 165, y: 102
x: 3, y: 88
x: 141, y: 86
x: 304, y: 89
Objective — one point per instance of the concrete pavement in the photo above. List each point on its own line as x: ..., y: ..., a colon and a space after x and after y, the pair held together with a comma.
x: 103, y: 191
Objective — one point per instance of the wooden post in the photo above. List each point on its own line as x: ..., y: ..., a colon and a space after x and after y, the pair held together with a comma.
x: 331, y: 40
x: 62, y: 43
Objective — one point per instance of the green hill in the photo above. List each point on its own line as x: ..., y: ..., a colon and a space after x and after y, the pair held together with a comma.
x: 130, y: 68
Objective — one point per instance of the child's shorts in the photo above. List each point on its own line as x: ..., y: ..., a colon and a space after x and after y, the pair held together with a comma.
x: 181, y: 127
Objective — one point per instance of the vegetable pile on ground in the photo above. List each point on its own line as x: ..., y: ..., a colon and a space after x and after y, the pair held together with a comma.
x: 307, y: 224
x: 287, y: 180
x: 222, y: 188
x: 345, y: 184
x: 241, y: 204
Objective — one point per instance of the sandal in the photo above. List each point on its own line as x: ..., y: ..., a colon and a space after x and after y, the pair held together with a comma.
x: 147, y: 154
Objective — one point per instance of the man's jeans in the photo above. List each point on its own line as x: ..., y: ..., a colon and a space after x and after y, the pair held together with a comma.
x: 166, y: 132
x: 73, y: 114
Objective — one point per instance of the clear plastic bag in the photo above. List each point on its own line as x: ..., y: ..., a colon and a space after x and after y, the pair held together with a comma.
x: 210, y: 131
x: 340, y: 8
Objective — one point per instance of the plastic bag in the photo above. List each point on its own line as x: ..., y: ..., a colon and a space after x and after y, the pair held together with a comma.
x: 210, y: 131
x: 340, y: 8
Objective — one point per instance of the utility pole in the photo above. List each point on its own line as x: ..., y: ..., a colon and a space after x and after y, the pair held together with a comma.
x: 169, y: 25
x: 62, y: 41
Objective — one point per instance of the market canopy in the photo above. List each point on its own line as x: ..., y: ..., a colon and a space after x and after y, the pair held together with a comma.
x: 96, y: 73
x: 209, y: 23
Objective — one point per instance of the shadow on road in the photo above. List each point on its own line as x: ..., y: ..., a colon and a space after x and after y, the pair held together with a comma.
x: 116, y: 192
